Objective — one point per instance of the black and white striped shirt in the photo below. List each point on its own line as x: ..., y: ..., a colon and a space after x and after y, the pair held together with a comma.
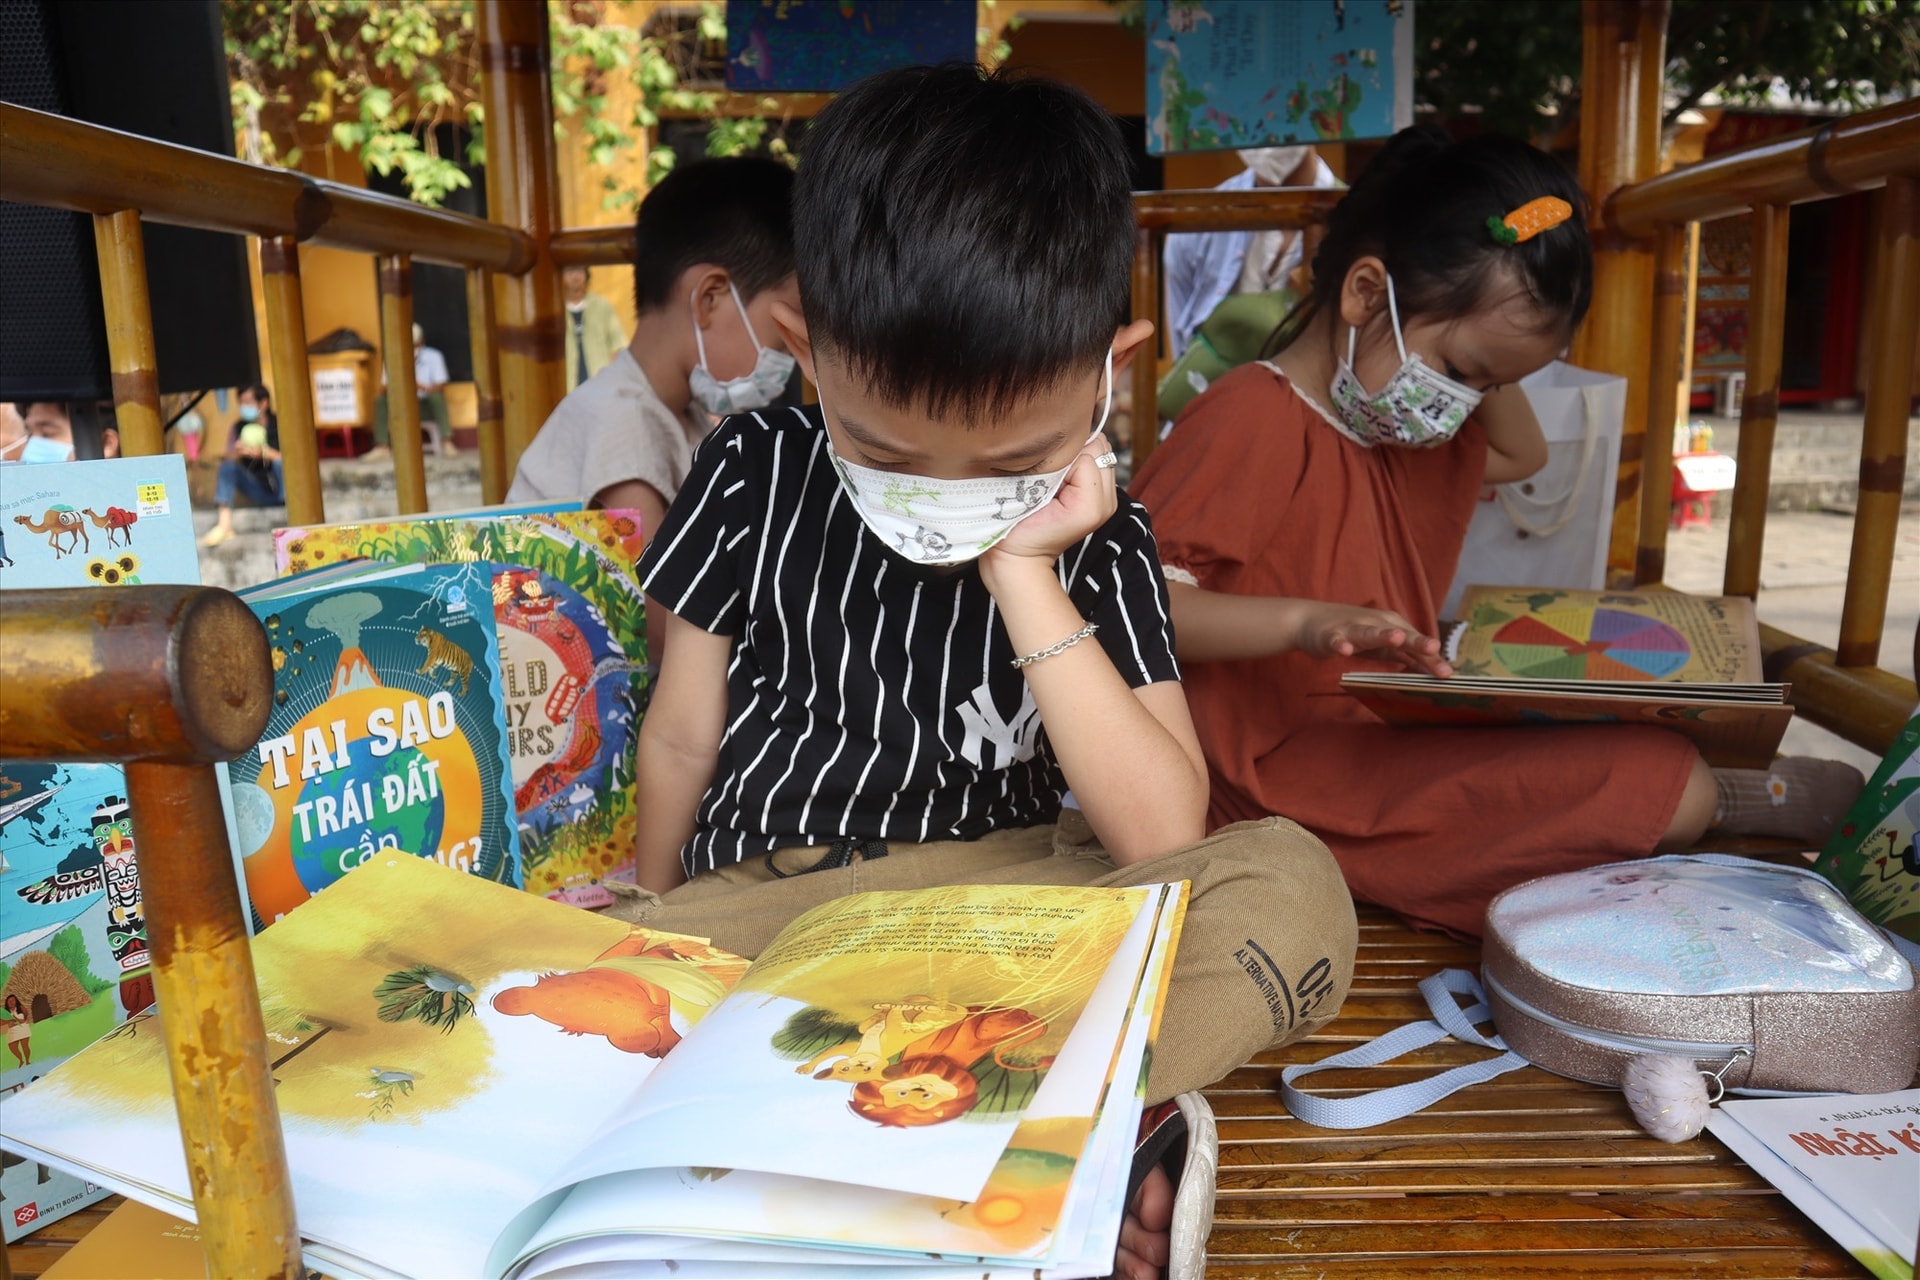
x: 868, y: 695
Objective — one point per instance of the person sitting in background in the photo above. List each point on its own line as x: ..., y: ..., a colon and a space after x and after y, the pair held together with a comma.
x: 1204, y: 269
x: 252, y: 465
x: 594, y: 335
x: 430, y: 380
x: 56, y: 431
x: 713, y: 253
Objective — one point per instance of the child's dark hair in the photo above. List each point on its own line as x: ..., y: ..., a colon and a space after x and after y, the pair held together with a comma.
x: 964, y: 237
x: 1422, y: 207
x: 735, y: 213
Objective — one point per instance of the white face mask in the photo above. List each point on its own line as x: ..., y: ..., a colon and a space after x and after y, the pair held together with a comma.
x: 935, y: 521
x: 756, y: 390
x: 1419, y: 406
x: 1272, y: 166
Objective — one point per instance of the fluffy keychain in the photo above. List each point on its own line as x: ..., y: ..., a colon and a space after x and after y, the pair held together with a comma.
x: 1668, y: 1096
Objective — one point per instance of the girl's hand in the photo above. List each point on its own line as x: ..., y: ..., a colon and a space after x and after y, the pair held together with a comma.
x: 1086, y: 501
x: 1348, y: 631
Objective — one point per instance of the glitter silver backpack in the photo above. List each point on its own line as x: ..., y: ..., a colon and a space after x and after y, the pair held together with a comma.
x: 1763, y: 977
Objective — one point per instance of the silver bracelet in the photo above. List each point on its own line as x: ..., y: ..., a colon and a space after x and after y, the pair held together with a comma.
x: 1054, y: 650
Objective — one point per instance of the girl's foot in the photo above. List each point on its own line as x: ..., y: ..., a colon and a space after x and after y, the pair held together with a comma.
x: 217, y: 535
x: 1798, y: 798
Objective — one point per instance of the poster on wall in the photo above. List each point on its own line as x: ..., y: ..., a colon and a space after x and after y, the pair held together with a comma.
x: 1251, y: 73
x: 822, y: 46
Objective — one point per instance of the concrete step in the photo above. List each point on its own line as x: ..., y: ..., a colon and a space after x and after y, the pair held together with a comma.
x: 351, y: 489
x: 1816, y: 459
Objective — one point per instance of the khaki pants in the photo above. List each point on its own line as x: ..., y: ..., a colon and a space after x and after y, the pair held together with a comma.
x: 1265, y: 957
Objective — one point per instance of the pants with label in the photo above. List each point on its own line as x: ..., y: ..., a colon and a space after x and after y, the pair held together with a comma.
x: 1265, y: 957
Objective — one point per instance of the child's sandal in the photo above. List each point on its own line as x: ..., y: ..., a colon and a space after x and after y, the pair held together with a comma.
x: 1179, y: 1136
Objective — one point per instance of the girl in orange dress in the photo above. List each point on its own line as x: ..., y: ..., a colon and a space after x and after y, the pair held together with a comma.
x: 1310, y: 510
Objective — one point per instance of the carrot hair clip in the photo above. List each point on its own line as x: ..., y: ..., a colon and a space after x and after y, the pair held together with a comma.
x: 1530, y: 219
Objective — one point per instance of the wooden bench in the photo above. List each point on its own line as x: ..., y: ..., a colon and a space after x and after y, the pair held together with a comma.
x: 1530, y: 1175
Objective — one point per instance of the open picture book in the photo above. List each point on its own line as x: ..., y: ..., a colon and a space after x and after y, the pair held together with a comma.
x: 1850, y: 1162
x: 475, y: 1081
x: 1550, y: 655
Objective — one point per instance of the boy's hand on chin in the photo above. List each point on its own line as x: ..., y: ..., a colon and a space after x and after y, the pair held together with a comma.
x: 1086, y: 501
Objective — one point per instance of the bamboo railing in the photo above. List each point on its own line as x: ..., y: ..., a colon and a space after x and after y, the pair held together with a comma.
x: 1840, y: 689
x: 125, y: 181
x: 169, y: 681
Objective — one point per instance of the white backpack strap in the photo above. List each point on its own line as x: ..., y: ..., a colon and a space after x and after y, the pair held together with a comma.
x: 1381, y: 1105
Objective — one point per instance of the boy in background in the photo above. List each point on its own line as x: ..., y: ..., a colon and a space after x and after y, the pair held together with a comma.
x: 902, y: 623
x: 713, y: 254
x: 594, y: 335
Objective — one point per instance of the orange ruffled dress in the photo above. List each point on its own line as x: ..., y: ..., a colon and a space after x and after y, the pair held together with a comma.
x: 1257, y: 493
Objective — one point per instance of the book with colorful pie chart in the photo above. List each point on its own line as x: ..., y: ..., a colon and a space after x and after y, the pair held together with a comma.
x: 1552, y: 655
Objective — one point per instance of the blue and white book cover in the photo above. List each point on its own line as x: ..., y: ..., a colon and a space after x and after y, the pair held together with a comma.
x: 73, y: 942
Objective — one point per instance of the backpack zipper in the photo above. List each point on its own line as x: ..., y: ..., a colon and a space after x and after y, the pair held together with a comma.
x: 1616, y: 1040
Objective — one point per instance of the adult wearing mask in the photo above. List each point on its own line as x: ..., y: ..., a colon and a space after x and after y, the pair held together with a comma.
x: 252, y: 465
x: 1204, y: 269
x: 55, y: 431
x: 594, y: 335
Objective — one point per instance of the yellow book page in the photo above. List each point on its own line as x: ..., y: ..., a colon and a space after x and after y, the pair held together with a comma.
x: 134, y: 1243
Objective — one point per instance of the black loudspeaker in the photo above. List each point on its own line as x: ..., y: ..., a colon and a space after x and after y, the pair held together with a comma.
x: 151, y: 67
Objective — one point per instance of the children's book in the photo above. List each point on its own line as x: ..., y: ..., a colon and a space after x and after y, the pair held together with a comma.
x: 1548, y: 655
x: 388, y: 731
x: 1871, y: 857
x: 571, y: 621
x: 474, y: 1081
x: 1850, y: 1162
x: 73, y: 941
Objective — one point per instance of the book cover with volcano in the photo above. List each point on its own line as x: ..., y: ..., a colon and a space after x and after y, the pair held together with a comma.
x: 388, y: 732
x: 573, y: 659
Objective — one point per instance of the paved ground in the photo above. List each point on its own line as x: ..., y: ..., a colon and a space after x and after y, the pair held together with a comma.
x: 1802, y: 582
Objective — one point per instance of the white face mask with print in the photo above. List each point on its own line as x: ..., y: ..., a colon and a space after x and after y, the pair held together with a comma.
x: 935, y: 521
x: 756, y: 390
x: 1419, y: 406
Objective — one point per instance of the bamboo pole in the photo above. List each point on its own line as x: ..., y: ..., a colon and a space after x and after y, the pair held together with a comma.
x: 592, y: 247
x: 1895, y: 312
x: 1852, y: 154
x: 1865, y: 705
x: 494, y: 479
x: 1760, y: 404
x: 1145, y: 417
x: 292, y: 383
x: 169, y: 680
x: 1683, y: 394
x: 68, y: 164
x: 1623, y: 65
x: 136, y: 376
x: 403, y: 395
x: 521, y: 192
x: 1285, y: 208
x: 1663, y: 373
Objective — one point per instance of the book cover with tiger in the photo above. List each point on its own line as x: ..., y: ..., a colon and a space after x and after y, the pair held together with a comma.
x: 388, y: 732
x: 573, y: 657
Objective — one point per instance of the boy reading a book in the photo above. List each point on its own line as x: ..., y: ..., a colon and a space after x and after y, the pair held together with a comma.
x: 901, y: 624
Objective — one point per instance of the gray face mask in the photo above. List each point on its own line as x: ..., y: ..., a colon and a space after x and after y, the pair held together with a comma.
x: 756, y: 390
